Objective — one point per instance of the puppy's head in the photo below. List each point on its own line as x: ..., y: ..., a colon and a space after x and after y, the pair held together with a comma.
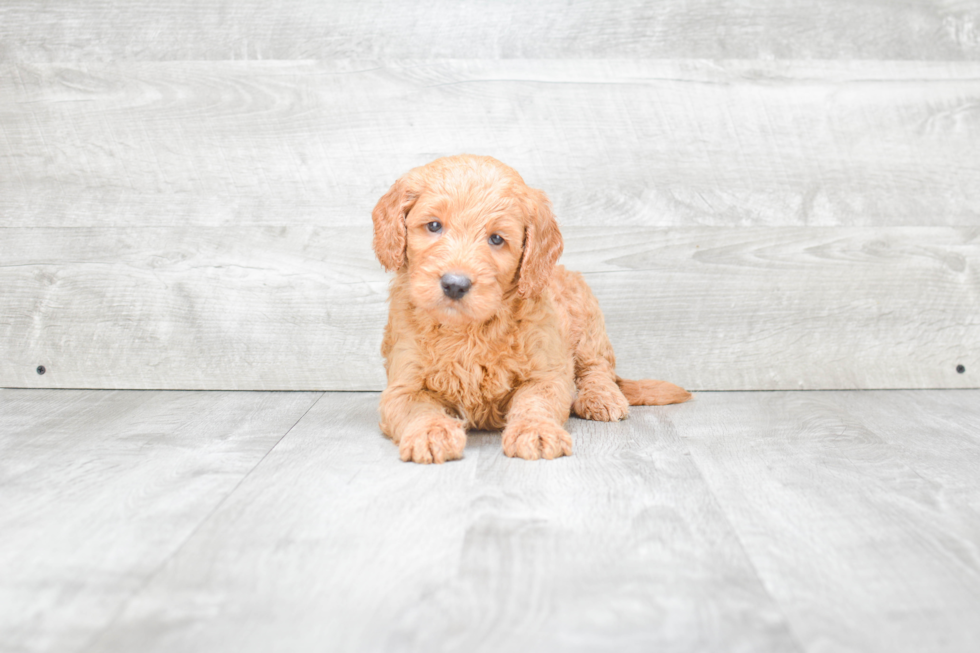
x: 468, y: 233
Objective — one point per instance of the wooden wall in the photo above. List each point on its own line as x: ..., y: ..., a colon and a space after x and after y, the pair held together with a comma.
x: 763, y: 196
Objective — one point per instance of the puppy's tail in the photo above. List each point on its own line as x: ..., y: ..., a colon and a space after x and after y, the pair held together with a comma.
x: 652, y: 393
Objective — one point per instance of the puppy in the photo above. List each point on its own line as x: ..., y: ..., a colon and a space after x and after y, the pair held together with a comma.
x: 484, y: 330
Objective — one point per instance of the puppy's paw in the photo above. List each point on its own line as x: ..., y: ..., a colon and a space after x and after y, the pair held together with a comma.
x: 532, y: 440
x: 433, y: 440
x: 601, y: 405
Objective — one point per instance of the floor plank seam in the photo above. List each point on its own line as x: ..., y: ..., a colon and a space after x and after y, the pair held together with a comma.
x: 741, y: 545
x: 156, y: 572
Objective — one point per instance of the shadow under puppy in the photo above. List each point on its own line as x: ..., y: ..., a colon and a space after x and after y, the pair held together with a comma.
x: 484, y: 330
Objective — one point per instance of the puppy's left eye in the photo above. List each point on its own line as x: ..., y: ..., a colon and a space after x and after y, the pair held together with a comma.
x: 496, y: 240
x: 435, y: 226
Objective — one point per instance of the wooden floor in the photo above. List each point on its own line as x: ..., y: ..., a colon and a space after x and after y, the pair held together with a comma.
x: 242, y: 521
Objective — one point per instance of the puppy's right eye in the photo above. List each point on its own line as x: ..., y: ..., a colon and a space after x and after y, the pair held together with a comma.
x: 435, y: 226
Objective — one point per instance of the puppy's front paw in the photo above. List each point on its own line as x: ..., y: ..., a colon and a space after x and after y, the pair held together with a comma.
x: 433, y: 440
x: 601, y: 405
x: 533, y: 440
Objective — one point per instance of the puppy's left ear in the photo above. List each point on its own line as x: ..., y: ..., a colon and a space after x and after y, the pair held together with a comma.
x: 542, y: 244
x: 389, y: 221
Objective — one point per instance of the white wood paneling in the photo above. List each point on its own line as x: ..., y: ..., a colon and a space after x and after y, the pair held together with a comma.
x: 651, y: 143
x: 297, y: 308
x: 45, y: 30
x: 173, y: 218
x: 98, y: 489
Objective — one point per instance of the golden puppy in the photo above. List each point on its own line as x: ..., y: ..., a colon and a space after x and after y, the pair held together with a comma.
x: 484, y: 330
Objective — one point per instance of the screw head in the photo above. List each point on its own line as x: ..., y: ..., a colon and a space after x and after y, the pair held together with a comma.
x: 960, y: 369
x: 40, y: 369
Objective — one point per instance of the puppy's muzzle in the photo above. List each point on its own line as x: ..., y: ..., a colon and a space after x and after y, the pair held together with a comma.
x: 455, y: 286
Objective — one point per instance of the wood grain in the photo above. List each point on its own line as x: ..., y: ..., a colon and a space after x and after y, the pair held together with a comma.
x: 302, y: 308
x: 338, y: 543
x: 301, y: 29
x: 247, y: 308
x: 644, y: 143
x: 936, y: 431
x: 862, y: 550
x: 98, y: 489
x: 739, y: 521
x: 789, y: 308
x: 328, y: 542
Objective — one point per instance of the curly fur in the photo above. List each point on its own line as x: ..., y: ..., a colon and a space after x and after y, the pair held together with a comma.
x: 521, y: 349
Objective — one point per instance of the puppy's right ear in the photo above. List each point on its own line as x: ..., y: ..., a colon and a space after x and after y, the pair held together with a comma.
x: 389, y: 221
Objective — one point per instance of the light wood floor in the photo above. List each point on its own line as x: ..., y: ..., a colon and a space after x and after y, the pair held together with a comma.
x: 237, y: 521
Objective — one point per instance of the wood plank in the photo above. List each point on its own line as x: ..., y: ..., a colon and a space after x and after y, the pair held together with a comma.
x: 861, y: 550
x: 937, y: 430
x: 261, y: 308
x: 789, y: 308
x: 332, y: 542
x: 300, y: 29
x: 277, y: 308
x: 98, y: 489
x: 328, y: 542
x: 643, y: 143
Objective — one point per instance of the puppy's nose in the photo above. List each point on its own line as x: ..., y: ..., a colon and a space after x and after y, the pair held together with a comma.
x: 455, y: 285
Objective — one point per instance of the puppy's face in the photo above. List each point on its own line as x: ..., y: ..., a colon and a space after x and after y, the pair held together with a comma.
x: 463, y: 249
x: 468, y: 233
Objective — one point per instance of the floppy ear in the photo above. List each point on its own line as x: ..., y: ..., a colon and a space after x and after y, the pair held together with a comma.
x: 542, y: 245
x: 389, y: 222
